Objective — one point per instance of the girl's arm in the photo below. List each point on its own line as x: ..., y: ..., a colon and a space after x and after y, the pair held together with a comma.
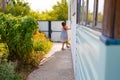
x: 67, y: 28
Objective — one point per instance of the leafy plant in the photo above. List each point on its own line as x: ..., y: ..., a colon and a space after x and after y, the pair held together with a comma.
x: 3, y: 53
x: 17, y: 8
x: 41, y: 46
x: 17, y: 33
x: 41, y: 43
x: 7, y: 72
x: 24, y: 43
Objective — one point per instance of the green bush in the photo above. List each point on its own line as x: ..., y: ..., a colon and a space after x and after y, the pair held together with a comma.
x: 41, y: 46
x: 3, y: 53
x: 24, y: 42
x: 17, y: 33
x: 7, y: 72
x: 36, y: 57
x: 41, y: 43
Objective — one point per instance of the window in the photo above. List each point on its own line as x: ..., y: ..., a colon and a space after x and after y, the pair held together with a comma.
x: 81, y: 11
x: 90, y: 13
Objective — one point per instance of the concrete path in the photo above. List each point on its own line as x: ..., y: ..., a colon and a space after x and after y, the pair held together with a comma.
x: 57, y: 66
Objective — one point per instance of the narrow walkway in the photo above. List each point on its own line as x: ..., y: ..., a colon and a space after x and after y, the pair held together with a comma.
x: 58, y: 66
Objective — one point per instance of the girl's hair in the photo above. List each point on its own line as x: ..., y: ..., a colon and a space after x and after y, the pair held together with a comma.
x: 63, y: 23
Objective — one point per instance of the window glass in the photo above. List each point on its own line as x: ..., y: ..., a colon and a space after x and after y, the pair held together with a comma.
x: 83, y: 12
x: 90, y: 12
x: 78, y: 10
x: 100, y: 13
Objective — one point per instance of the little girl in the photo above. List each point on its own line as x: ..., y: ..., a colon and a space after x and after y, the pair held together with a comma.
x: 64, y: 35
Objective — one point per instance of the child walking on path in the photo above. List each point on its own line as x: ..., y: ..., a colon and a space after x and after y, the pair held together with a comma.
x: 64, y: 35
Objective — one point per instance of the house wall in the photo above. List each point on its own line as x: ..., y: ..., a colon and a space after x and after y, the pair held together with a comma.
x: 72, y: 21
x: 93, y: 59
x: 90, y: 55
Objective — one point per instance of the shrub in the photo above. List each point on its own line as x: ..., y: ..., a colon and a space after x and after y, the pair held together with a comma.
x: 36, y: 57
x: 24, y: 44
x: 3, y: 53
x: 41, y: 46
x: 17, y: 33
x: 7, y: 72
x: 41, y: 43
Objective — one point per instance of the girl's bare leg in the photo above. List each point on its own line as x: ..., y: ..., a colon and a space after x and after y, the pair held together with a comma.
x: 63, y: 45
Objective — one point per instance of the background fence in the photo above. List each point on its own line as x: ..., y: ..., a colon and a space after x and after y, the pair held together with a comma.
x: 52, y: 29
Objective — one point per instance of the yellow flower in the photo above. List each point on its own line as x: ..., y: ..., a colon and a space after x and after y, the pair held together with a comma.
x: 1, y: 54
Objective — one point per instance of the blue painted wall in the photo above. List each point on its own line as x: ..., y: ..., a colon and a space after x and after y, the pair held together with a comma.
x: 94, y: 60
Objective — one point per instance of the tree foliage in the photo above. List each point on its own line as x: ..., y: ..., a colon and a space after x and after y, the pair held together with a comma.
x: 90, y: 17
x: 58, y: 12
x: 17, y: 8
x: 61, y: 9
x: 36, y: 14
x: 100, y: 17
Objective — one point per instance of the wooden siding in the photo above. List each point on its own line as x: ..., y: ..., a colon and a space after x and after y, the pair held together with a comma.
x: 117, y: 19
x: 93, y: 59
x: 108, y: 18
x: 111, y: 19
x: 90, y: 62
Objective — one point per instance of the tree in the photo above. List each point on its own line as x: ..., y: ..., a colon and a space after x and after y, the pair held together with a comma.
x: 61, y: 9
x: 58, y: 12
x: 90, y: 16
x: 100, y: 16
x: 36, y: 15
x: 3, y: 5
x: 17, y: 8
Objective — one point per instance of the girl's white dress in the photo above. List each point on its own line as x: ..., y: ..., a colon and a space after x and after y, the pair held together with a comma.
x: 64, y: 36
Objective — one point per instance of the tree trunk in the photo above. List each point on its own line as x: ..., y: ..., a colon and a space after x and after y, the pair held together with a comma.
x: 3, y: 5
